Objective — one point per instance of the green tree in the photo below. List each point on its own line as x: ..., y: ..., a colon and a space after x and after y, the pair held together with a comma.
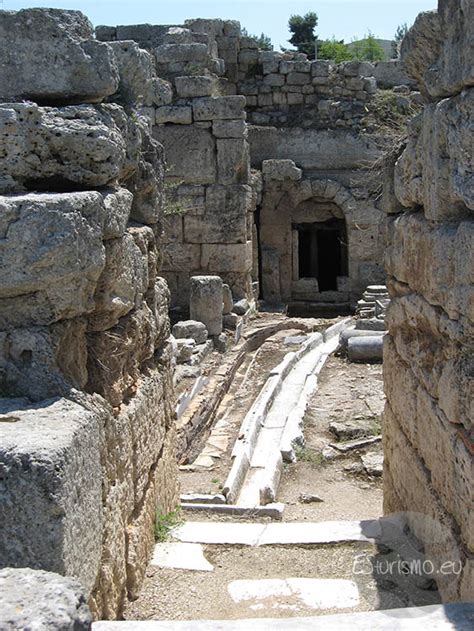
x: 302, y: 32
x: 333, y: 49
x: 400, y: 33
x: 368, y: 49
x: 264, y: 42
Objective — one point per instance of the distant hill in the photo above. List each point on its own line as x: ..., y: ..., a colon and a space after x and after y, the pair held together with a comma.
x: 386, y: 44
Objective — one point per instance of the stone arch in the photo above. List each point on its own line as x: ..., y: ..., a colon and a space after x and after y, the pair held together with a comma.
x: 279, y: 238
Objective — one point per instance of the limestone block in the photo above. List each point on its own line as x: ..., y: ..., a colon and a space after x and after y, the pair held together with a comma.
x: 205, y: 302
x: 51, y: 511
x: 146, y: 183
x: 214, y: 27
x: 436, y: 169
x: 437, y: 50
x: 51, y: 256
x: 225, y: 217
x: 231, y: 321
x: 122, y: 285
x: 181, y: 257
x: 139, y: 85
x: 281, y: 170
x: 233, y: 161
x: 229, y: 129
x: 241, y: 307
x: 31, y: 598
x: 57, y: 148
x: 172, y: 228
x: 32, y: 42
x: 172, y: 53
x: 219, y: 108
x: 176, y: 115
x: 190, y: 153
x: 192, y: 87
x: 43, y: 362
x: 228, y: 300
x: 117, y: 355
x: 118, y: 206
x: 190, y: 329
x: 298, y: 78
x: 274, y: 80
x: 436, y: 261
x: 227, y: 258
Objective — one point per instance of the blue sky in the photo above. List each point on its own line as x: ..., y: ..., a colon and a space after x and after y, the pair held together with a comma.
x: 346, y: 19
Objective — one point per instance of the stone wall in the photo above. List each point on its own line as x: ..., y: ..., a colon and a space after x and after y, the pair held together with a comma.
x: 86, y: 421
x: 208, y: 225
x: 428, y: 358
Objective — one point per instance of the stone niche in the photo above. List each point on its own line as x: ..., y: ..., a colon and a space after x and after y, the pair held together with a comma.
x: 316, y: 238
x: 428, y: 355
x: 87, y: 429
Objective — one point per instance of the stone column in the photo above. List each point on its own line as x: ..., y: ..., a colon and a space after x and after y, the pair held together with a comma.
x: 205, y: 302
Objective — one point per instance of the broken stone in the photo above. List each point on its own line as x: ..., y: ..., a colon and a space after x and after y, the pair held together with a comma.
x: 185, y: 349
x: 228, y: 302
x: 310, y: 498
x: 241, y: 307
x: 31, y: 43
x: 373, y: 463
x: 190, y: 329
x: 230, y: 321
x: 221, y: 343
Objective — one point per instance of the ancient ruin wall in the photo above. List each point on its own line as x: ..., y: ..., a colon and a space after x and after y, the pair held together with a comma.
x: 428, y: 359
x: 209, y: 226
x: 86, y: 420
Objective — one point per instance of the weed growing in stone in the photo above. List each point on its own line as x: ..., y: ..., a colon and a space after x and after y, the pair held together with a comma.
x: 164, y: 523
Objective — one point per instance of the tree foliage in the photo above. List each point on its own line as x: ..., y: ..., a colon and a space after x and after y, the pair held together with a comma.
x: 302, y: 32
x: 400, y: 33
x: 334, y: 49
x: 264, y: 42
x: 368, y: 49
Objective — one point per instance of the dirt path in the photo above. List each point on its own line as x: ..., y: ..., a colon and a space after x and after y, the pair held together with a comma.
x: 348, y: 402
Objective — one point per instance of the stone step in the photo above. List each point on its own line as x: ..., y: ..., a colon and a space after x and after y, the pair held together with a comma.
x: 450, y: 617
x: 284, y: 533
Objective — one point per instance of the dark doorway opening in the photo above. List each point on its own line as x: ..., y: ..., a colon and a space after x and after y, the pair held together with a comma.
x: 322, y: 252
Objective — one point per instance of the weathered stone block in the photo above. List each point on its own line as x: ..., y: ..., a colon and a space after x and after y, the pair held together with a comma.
x: 228, y: 299
x: 181, y: 257
x: 281, y: 170
x: 190, y: 329
x: 190, y: 153
x: 173, y: 53
x: 227, y: 258
x: 233, y: 161
x: 42, y: 278
x: 36, y: 598
x: 298, y: 78
x: 192, y: 87
x: 177, y: 115
x: 122, y: 285
x: 219, y: 108
x: 205, y: 302
x: 432, y: 170
x: 225, y: 218
x: 51, y: 488
x: 118, y: 205
x: 58, y: 148
x: 229, y: 129
x: 33, y: 40
x: 437, y: 50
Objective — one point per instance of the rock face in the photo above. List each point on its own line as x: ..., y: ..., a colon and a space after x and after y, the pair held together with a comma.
x: 32, y: 42
x: 428, y: 367
x: 50, y: 600
x: 88, y: 434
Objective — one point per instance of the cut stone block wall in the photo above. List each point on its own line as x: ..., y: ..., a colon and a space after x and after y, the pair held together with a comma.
x: 87, y: 428
x: 211, y: 195
x: 428, y: 357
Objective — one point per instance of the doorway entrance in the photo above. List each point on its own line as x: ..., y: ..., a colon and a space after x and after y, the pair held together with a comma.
x: 321, y: 252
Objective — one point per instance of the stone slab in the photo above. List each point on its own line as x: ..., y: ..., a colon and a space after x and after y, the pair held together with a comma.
x: 288, y: 533
x: 314, y: 593
x: 450, y: 617
x: 181, y: 556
